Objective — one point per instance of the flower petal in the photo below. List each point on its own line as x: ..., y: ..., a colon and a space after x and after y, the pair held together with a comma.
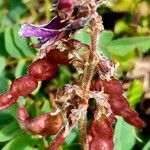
x: 30, y: 30
x: 49, y: 30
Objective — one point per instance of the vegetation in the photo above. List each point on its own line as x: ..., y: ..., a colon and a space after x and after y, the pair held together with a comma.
x: 125, y: 40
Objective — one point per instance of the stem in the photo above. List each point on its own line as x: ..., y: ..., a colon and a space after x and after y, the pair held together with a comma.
x: 87, y: 78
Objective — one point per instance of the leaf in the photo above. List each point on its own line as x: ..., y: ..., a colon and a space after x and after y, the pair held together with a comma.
x: 9, y: 131
x: 22, y: 142
x: 72, y: 136
x: 21, y: 68
x: 104, y: 39
x: 5, y: 118
x: 2, y: 65
x: 2, y: 45
x: 134, y: 93
x: 3, y: 85
x: 123, y: 46
x: 83, y: 36
x: 21, y: 43
x: 147, y: 146
x: 46, y: 107
x: 12, y: 110
x: 16, y: 10
x: 9, y: 45
x: 124, y: 137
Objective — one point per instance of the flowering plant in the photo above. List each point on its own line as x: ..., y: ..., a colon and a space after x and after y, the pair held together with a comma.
x: 96, y: 89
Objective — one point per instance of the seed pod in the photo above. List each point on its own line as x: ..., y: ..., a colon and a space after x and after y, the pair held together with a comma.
x: 117, y: 102
x: 100, y: 135
x: 120, y: 106
x: 7, y: 99
x: 55, y: 55
x: 96, y: 86
x: 132, y: 118
x: 44, y: 124
x: 42, y: 69
x: 23, y: 86
x: 112, y: 86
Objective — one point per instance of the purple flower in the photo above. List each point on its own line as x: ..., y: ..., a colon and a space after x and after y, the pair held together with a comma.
x: 43, y: 32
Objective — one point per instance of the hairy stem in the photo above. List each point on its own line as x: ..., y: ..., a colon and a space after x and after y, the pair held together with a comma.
x: 87, y: 77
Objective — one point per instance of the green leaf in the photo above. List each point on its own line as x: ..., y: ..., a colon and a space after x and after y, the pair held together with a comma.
x: 3, y: 85
x: 16, y: 10
x: 12, y: 110
x: 21, y: 68
x: 22, y: 142
x: 123, y: 46
x: 124, y: 137
x: 10, y: 131
x: 5, y: 118
x: 104, y: 39
x: 72, y: 136
x: 46, y: 106
x: 22, y: 43
x: 2, y: 43
x: 83, y: 36
x: 2, y: 65
x: 134, y: 93
x: 147, y: 146
x: 9, y: 45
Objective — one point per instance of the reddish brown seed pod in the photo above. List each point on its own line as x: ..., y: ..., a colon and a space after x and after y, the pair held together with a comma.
x: 117, y: 102
x: 100, y: 135
x: 96, y: 85
x: 55, y: 55
x: 112, y: 86
x: 44, y: 124
x: 42, y: 69
x: 7, y: 99
x: 120, y: 106
x: 23, y: 86
x: 132, y: 118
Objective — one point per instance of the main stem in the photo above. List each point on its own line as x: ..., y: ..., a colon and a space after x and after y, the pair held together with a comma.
x: 86, y: 82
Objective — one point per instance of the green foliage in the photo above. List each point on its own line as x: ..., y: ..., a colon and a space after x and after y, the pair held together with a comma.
x: 134, y: 93
x: 124, y: 138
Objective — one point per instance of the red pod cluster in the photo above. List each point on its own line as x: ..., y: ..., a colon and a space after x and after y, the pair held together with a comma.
x: 44, y: 124
x: 39, y: 70
x: 119, y: 103
x: 100, y: 134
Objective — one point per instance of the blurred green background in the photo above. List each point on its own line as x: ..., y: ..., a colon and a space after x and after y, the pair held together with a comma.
x: 126, y: 40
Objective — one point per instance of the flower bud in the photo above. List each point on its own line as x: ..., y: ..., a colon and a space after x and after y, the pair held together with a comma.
x: 65, y: 8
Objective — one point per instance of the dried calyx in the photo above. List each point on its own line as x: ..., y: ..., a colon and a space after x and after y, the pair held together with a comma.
x: 72, y: 100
